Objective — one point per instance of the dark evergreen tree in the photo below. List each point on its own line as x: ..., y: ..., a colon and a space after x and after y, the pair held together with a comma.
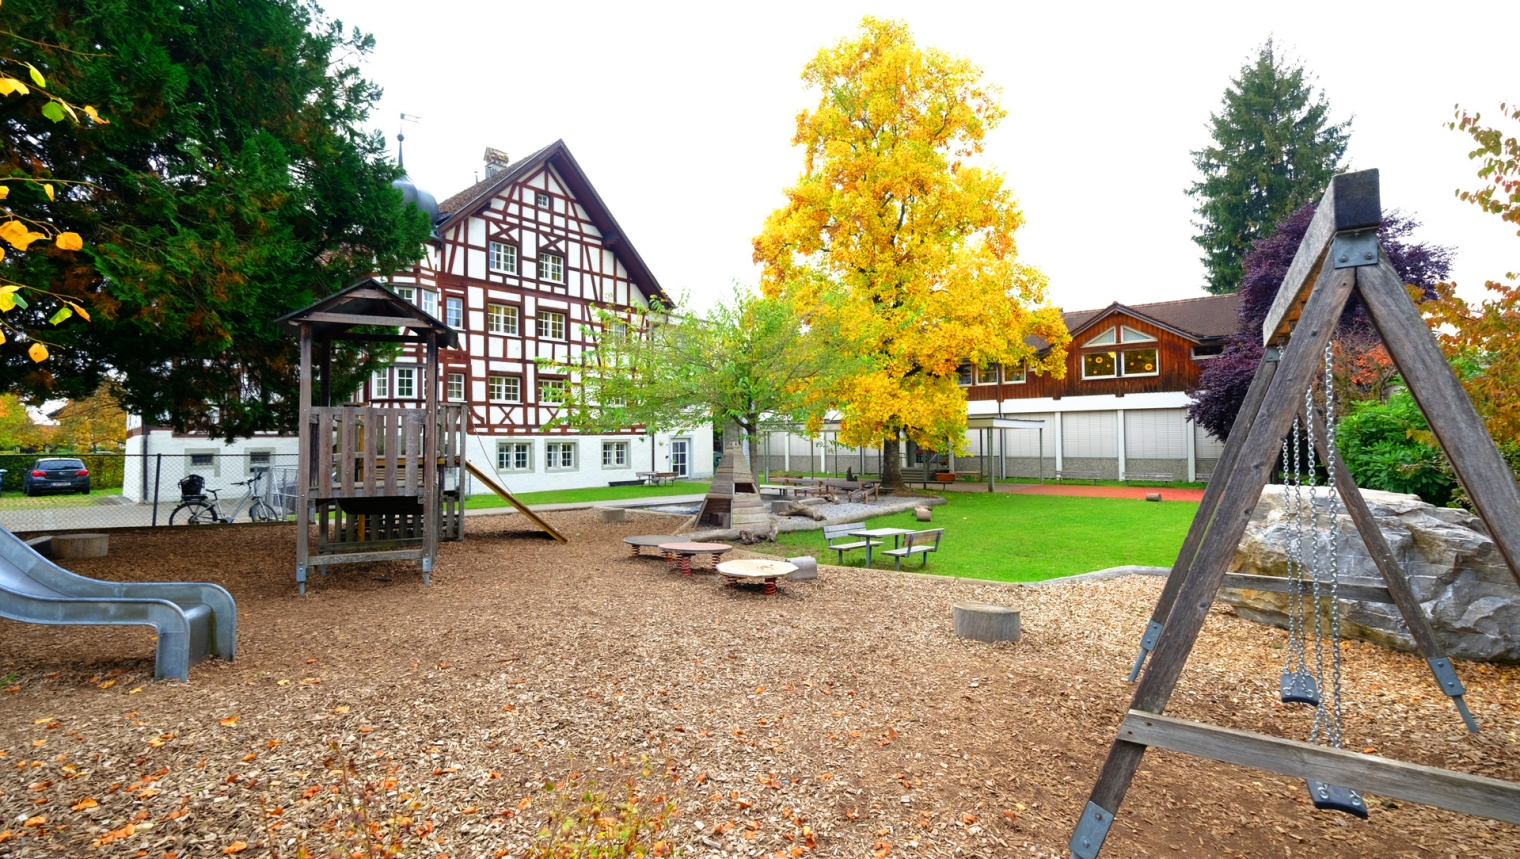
x: 1274, y: 149
x: 232, y: 185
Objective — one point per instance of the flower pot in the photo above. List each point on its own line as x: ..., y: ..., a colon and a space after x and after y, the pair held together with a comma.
x: 945, y: 477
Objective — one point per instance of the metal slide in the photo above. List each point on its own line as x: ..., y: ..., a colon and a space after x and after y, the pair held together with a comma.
x: 193, y: 619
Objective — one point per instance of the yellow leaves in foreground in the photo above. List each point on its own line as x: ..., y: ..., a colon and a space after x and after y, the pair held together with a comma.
x: 10, y: 85
x: 68, y: 241
x: 83, y: 804
x: 17, y: 235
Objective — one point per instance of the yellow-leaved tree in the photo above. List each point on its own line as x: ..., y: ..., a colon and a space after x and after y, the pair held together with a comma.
x: 899, y: 249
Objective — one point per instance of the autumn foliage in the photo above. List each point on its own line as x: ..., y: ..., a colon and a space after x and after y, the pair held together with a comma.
x: 1483, y: 340
x: 897, y: 246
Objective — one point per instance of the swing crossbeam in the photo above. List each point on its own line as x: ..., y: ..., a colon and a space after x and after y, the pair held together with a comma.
x: 1303, y: 322
x: 1469, y: 794
x: 1280, y: 585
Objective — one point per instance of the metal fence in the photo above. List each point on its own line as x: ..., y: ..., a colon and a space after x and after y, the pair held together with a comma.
x: 135, y: 491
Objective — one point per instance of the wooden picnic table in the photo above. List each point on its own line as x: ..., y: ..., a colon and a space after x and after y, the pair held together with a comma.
x: 655, y: 478
x: 640, y: 541
x: 752, y: 569
x: 872, y: 533
x: 684, y: 552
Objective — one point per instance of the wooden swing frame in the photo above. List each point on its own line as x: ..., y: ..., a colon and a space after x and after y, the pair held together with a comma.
x: 1338, y: 255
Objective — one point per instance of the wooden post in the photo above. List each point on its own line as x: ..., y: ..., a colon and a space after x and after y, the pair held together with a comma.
x: 326, y: 392
x: 1300, y: 361
x: 430, y: 452
x: 303, y: 463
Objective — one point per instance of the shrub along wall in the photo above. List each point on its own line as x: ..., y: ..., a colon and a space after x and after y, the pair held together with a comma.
x: 105, y: 469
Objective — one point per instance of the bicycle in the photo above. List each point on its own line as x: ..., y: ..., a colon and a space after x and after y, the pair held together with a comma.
x: 198, y: 511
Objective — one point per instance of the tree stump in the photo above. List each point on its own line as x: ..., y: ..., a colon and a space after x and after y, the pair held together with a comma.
x: 807, y: 568
x: 613, y: 514
x: 69, y: 546
x: 924, y: 513
x: 1153, y: 496
x: 986, y: 622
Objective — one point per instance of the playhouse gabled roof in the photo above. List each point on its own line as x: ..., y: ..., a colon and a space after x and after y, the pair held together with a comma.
x: 368, y: 302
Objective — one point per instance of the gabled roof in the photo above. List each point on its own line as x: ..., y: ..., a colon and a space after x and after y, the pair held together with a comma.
x: 371, y: 299
x: 1207, y: 318
x: 478, y: 196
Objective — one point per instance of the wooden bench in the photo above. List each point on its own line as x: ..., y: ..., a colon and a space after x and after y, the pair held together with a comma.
x: 917, y: 543
x: 655, y: 478
x: 1157, y: 476
x: 1079, y: 474
x: 835, y: 532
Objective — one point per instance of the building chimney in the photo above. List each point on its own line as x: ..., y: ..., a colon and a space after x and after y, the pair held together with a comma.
x: 496, y: 161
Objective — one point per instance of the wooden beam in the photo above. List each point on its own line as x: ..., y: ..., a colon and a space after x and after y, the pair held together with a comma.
x: 1351, y: 202
x: 351, y: 337
x: 303, y: 463
x: 1280, y: 585
x: 359, y: 319
x: 1469, y: 794
x: 367, y: 557
x: 1489, y: 482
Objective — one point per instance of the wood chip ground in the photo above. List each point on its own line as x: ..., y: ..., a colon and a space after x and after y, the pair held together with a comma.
x: 844, y: 705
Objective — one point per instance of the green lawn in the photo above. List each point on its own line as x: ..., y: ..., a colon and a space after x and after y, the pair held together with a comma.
x: 14, y: 500
x: 1024, y: 538
x: 595, y: 493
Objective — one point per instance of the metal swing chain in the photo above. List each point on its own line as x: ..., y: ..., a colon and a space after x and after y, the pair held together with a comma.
x: 1321, y: 717
x: 1335, y: 576
x: 1296, y: 656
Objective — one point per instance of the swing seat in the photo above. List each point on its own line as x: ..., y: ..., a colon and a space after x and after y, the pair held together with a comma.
x: 1299, y: 687
x: 1328, y: 797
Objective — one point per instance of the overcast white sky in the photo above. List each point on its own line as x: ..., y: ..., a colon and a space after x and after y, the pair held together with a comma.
x: 682, y: 114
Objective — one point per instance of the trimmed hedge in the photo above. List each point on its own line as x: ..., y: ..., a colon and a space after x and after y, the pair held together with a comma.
x: 105, y: 469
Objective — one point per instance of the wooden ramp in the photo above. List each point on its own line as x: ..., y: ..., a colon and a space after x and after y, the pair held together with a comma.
x: 495, y: 485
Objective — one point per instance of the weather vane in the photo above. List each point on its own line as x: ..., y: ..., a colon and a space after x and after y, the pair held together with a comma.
x: 401, y: 138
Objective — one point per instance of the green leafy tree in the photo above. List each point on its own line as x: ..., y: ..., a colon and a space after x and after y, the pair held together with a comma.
x: 17, y: 429
x: 1388, y: 445
x: 1274, y: 150
x: 234, y: 184
x: 749, y: 362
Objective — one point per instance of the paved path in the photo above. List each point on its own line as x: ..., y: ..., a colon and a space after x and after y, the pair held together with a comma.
x: 1078, y: 490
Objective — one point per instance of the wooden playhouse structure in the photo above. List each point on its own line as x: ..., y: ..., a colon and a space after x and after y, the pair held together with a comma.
x: 381, y: 483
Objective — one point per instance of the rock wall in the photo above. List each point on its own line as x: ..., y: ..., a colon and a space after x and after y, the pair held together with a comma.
x: 1456, y: 571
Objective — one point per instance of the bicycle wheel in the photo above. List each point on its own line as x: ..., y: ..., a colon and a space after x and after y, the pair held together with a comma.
x: 261, y: 512
x: 193, y: 513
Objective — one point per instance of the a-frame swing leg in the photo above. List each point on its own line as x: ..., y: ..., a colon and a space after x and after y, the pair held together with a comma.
x: 1223, y: 470
x: 1299, y: 362
x: 1393, y: 576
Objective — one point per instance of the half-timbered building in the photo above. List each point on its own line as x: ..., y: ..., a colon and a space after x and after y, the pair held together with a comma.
x: 521, y: 263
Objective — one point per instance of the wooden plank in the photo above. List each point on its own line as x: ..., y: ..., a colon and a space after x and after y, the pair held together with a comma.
x: 348, y: 452
x: 370, y: 441
x: 1280, y: 585
x: 1489, y: 482
x: 1351, y: 202
x: 432, y: 486
x: 409, y: 453
x: 1300, y: 361
x: 495, y: 486
x: 392, y: 427
x: 358, y: 319
x: 324, y: 453
x: 369, y: 557
x: 1456, y: 791
x: 351, y: 337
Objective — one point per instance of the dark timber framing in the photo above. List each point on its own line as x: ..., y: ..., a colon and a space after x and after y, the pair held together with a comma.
x: 1301, y: 324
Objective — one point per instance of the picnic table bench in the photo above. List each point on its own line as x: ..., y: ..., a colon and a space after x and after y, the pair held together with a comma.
x: 1079, y: 474
x: 917, y: 543
x: 835, y: 532
x: 655, y: 478
x: 1163, y: 476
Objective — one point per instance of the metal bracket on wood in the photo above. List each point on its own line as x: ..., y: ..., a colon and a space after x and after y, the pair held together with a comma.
x: 1272, y: 353
x: 1354, y: 248
x: 1451, y: 684
x: 1147, y: 644
x: 1092, y: 829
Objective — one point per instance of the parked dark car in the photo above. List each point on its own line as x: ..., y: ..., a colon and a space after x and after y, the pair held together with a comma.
x: 56, y: 475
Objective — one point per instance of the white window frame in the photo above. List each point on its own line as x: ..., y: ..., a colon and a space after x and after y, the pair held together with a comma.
x: 510, y: 453
x: 213, y: 468
x: 412, y: 383
x: 380, y: 385
x: 501, y: 261
x: 618, y: 451
x: 405, y: 293
x: 1107, y: 338
x: 542, y: 200
x: 996, y: 375
x: 1022, y: 377
x: 551, y: 267
x: 556, y: 325
x: 557, y: 384
x: 1139, y: 336
x: 450, y: 388
x: 453, y: 311
x: 510, y: 389
x: 427, y: 302
x: 965, y: 374
x: 1113, y: 356
x: 503, y: 322
x: 1124, y: 361
x: 554, y: 455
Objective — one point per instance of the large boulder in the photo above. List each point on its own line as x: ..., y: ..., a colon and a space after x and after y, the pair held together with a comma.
x: 1458, y: 575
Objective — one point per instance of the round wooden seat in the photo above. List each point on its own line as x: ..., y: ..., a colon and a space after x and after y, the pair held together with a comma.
x: 686, y: 551
x: 639, y: 541
x: 756, y: 569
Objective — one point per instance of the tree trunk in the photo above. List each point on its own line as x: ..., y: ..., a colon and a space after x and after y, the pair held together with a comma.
x: 891, y: 468
x: 752, y: 444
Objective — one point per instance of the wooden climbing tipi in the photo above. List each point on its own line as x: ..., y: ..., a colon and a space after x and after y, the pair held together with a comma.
x: 734, y: 499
